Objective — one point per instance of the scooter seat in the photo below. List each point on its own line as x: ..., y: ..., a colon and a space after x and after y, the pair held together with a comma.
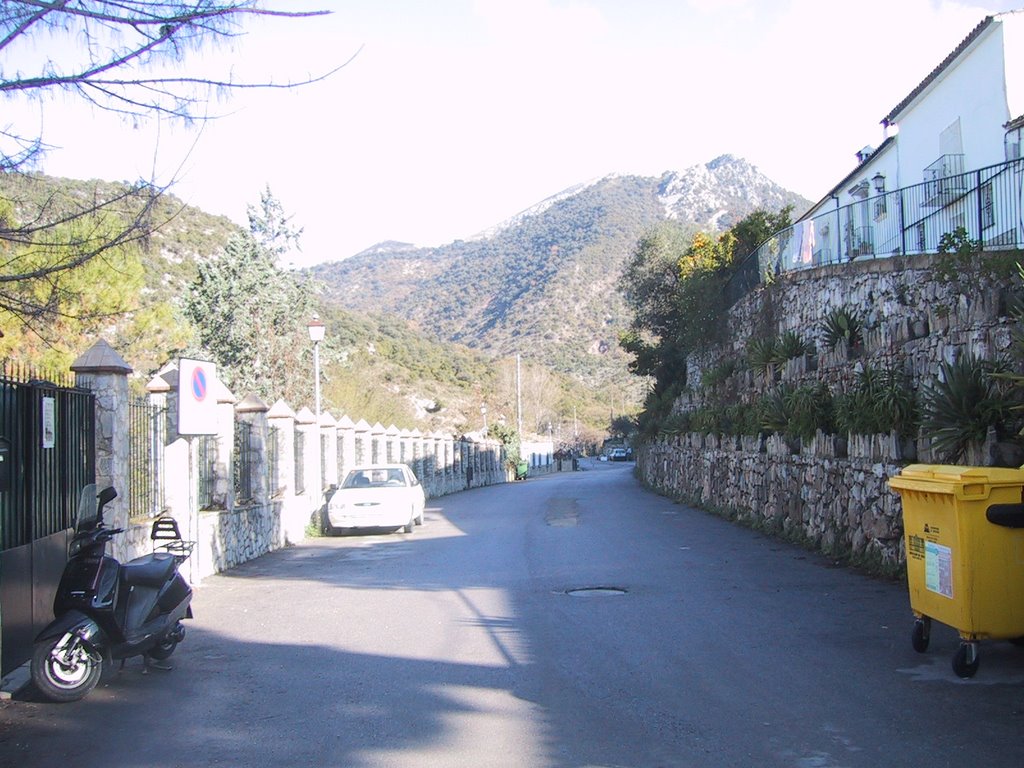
x: 150, y: 570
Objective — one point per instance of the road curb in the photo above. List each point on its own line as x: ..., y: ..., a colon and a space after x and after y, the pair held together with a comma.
x: 15, y: 682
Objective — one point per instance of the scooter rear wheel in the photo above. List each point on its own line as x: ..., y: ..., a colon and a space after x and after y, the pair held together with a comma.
x: 63, y: 669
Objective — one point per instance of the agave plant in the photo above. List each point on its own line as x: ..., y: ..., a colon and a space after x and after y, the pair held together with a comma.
x: 842, y: 325
x: 773, y: 410
x: 963, y: 404
x: 791, y: 345
x: 762, y: 355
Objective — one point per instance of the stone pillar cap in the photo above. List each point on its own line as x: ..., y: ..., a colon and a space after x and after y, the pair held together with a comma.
x: 100, y: 358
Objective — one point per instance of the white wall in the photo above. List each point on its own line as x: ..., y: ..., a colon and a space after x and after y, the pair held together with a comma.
x: 971, y: 90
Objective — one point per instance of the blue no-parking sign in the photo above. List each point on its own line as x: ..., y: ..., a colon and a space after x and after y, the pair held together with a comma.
x: 197, y: 402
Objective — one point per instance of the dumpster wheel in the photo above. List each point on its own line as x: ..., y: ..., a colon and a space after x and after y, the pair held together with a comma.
x: 921, y: 635
x: 965, y: 660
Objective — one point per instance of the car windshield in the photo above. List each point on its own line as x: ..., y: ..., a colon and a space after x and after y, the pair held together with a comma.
x: 375, y: 477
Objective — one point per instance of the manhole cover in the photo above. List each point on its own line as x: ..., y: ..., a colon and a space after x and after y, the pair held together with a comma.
x: 595, y: 592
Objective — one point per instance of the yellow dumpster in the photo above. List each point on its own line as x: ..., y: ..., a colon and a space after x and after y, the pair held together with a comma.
x: 964, y: 533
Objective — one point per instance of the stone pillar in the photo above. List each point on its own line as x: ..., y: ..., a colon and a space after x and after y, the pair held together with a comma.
x: 312, y: 492
x: 104, y: 372
x: 224, y: 485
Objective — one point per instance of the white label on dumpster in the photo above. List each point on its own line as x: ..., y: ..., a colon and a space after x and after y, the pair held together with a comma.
x: 938, y: 568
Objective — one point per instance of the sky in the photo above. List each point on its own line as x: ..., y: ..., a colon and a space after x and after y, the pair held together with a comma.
x: 454, y: 115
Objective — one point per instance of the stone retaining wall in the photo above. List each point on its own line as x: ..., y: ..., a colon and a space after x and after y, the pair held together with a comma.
x: 841, y: 506
x: 838, y: 500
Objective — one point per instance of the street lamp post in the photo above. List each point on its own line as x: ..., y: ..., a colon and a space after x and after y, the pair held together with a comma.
x: 483, y: 412
x: 316, y: 334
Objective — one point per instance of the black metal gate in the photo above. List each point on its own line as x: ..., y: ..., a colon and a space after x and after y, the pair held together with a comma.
x: 47, y: 454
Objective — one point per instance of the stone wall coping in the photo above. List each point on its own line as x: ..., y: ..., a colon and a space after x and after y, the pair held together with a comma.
x: 251, y: 404
x: 305, y: 416
x: 280, y: 410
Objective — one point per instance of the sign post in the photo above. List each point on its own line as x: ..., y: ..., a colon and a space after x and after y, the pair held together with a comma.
x: 197, y: 415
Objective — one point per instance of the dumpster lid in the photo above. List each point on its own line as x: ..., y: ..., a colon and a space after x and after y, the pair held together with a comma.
x: 947, y: 473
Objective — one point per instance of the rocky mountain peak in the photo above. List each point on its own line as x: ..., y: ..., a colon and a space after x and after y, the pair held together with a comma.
x: 717, y: 194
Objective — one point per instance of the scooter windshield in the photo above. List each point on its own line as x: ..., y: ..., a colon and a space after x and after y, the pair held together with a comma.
x: 87, y: 509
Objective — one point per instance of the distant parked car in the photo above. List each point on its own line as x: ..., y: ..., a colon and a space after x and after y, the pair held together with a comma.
x: 618, y: 454
x: 378, y: 496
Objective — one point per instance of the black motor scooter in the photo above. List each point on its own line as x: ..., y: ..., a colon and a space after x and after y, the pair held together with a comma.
x: 106, y: 610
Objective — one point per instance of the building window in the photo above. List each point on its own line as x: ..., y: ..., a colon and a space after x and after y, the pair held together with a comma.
x: 1013, y: 142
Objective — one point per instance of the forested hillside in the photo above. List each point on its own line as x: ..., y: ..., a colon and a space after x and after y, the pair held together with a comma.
x: 423, y: 337
x: 138, y: 297
x: 544, y: 284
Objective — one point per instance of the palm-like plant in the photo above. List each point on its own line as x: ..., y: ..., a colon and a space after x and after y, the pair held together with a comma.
x: 961, y: 406
x: 790, y: 345
x: 762, y: 355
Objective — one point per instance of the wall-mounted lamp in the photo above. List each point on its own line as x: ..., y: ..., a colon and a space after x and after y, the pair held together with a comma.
x: 879, y: 181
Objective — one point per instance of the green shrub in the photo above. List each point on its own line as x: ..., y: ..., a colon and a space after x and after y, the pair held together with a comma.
x: 716, y: 376
x: 797, y: 412
x: 961, y: 406
x: 791, y: 346
x: 811, y: 409
x: 879, y: 401
x: 762, y: 355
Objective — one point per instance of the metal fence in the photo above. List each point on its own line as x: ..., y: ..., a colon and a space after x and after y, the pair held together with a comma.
x: 243, y: 459
x: 273, y: 460
x: 987, y: 204
x: 300, y: 466
x: 146, y: 432
x: 47, y: 440
x: 207, y: 481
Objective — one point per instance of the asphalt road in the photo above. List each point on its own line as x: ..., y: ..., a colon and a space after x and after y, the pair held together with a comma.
x: 464, y: 645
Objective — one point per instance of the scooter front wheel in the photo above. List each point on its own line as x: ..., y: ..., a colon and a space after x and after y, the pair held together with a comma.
x: 64, y: 669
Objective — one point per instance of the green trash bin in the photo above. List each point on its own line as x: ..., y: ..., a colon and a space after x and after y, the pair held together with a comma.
x: 522, y: 469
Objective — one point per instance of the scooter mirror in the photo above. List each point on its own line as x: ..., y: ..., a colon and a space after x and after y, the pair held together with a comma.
x: 106, y: 496
x: 87, y: 516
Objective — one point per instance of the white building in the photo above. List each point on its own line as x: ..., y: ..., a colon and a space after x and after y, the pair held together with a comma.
x: 951, y: 158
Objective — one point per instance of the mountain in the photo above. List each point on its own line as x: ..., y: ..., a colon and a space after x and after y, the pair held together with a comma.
x: 543, y: 283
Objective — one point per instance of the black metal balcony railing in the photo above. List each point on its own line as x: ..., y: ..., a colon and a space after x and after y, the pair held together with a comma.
x: 987, y: 203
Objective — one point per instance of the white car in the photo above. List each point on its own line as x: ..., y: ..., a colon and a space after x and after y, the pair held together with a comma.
x: 378, y: 496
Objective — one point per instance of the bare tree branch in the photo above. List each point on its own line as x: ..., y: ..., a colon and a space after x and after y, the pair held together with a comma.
x: 110, y: 54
